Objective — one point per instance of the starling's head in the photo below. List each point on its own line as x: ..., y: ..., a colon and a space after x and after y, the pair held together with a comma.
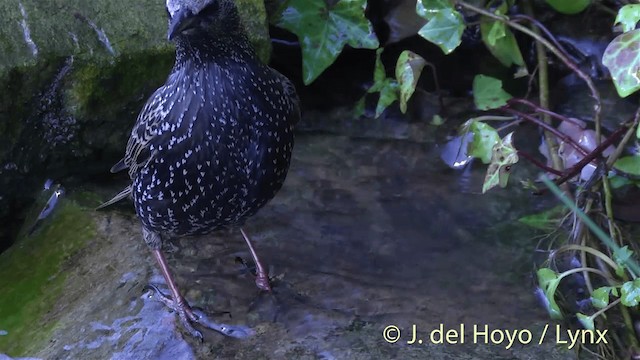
x: 201, y: 17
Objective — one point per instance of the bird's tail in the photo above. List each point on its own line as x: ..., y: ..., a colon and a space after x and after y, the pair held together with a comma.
x: 121, y: 195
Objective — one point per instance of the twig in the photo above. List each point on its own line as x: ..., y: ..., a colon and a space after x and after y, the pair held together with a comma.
x: 575, y: 169
x: 562, y: 136
x: 538, y: 163
x: 543, y: 110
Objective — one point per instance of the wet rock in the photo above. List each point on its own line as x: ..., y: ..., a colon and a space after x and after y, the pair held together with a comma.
x: 366, y: 233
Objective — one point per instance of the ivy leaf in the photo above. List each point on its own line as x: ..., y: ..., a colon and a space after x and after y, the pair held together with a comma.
x: 600, y: 297
x: 628, y: 164
x: 546, y: 220
x: 547, y: 278
x: 628, y: 16
x: 445, y: 25
x: 428, y: 9
x: 485, y: 138
x: 408, y: 69
x: 379, y: 75
x: 387, y: 87
x: 500, y: 40
x: 621, y: 256
x: 488, y: 93
x: 549, y: 281
x: 388, y: 94
x: 622, y: 58
x: 586, y: 321
x: 569, y: 7
x: 617, y: 182
x: 504, y: 155
x: 323, y: 30
x: 494, y: 31
x: 630, y: 293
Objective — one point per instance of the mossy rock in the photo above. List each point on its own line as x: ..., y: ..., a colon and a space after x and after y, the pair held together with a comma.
x: 74, y: 85
x: 32, y: 276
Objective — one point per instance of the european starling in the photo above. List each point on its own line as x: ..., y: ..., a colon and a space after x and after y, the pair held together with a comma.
x: 213, y: 144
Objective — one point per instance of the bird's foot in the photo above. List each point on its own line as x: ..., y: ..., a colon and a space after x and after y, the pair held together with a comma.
x: 189, y: 316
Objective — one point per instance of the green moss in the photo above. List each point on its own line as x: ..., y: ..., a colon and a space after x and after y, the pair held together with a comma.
x: 32, y: 278
x: 254, y: 18
x: 102, y: 87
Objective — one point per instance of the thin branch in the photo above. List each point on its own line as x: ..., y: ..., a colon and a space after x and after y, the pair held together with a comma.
x: 543, y: 110
x: 575, y: 169
x: 562, y: 136
x: 538, y: 163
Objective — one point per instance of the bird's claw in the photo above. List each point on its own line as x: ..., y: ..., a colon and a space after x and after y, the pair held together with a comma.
x: 187, y: 316
x: 235, y: 331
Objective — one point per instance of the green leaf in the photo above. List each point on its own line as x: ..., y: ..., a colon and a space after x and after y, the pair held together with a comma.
x: 388, y: 94
x: 547, y: 278
x: 622, y: 58
x: 569, y: 6
x: 628, y: 16
x: 485, y: 138
x: 549, y: 281
x: 586, y: 321
x: 387, y: 87
x: 600, y: 297
x: 408, y: 69
x: 504, y: 48
x: 504, y: 155
x: 621, y: 256
x: 488, y: 93
x: 617, y: 182
x: 444, y: 28
x: 546, y: 220
x: 500, y: 40
x: 324, y: 30
x: 379, y: 74
x: 628, y: 164
x: 614, y: 291
x: 630, y: 293
x: 428, y: 9
x: 492, y: 31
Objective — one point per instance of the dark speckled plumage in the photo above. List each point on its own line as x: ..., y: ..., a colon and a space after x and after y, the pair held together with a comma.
x: 213, y: 144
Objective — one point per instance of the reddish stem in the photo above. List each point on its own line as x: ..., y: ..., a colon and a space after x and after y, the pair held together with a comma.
x: 575, y: 169
x: 538, y: 163
x: 562, y: 136
x: 542, y: 110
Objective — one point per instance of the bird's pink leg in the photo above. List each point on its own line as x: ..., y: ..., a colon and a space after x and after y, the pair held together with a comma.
x: 176, y: 302
x: 262, y: 279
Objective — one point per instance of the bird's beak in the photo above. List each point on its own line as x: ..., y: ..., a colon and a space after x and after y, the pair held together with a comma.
x: 180, y: 21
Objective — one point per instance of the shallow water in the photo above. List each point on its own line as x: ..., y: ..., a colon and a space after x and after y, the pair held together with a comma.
x: 365, y: 234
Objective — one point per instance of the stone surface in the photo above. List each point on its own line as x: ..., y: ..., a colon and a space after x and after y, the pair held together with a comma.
x: 366, y: 233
